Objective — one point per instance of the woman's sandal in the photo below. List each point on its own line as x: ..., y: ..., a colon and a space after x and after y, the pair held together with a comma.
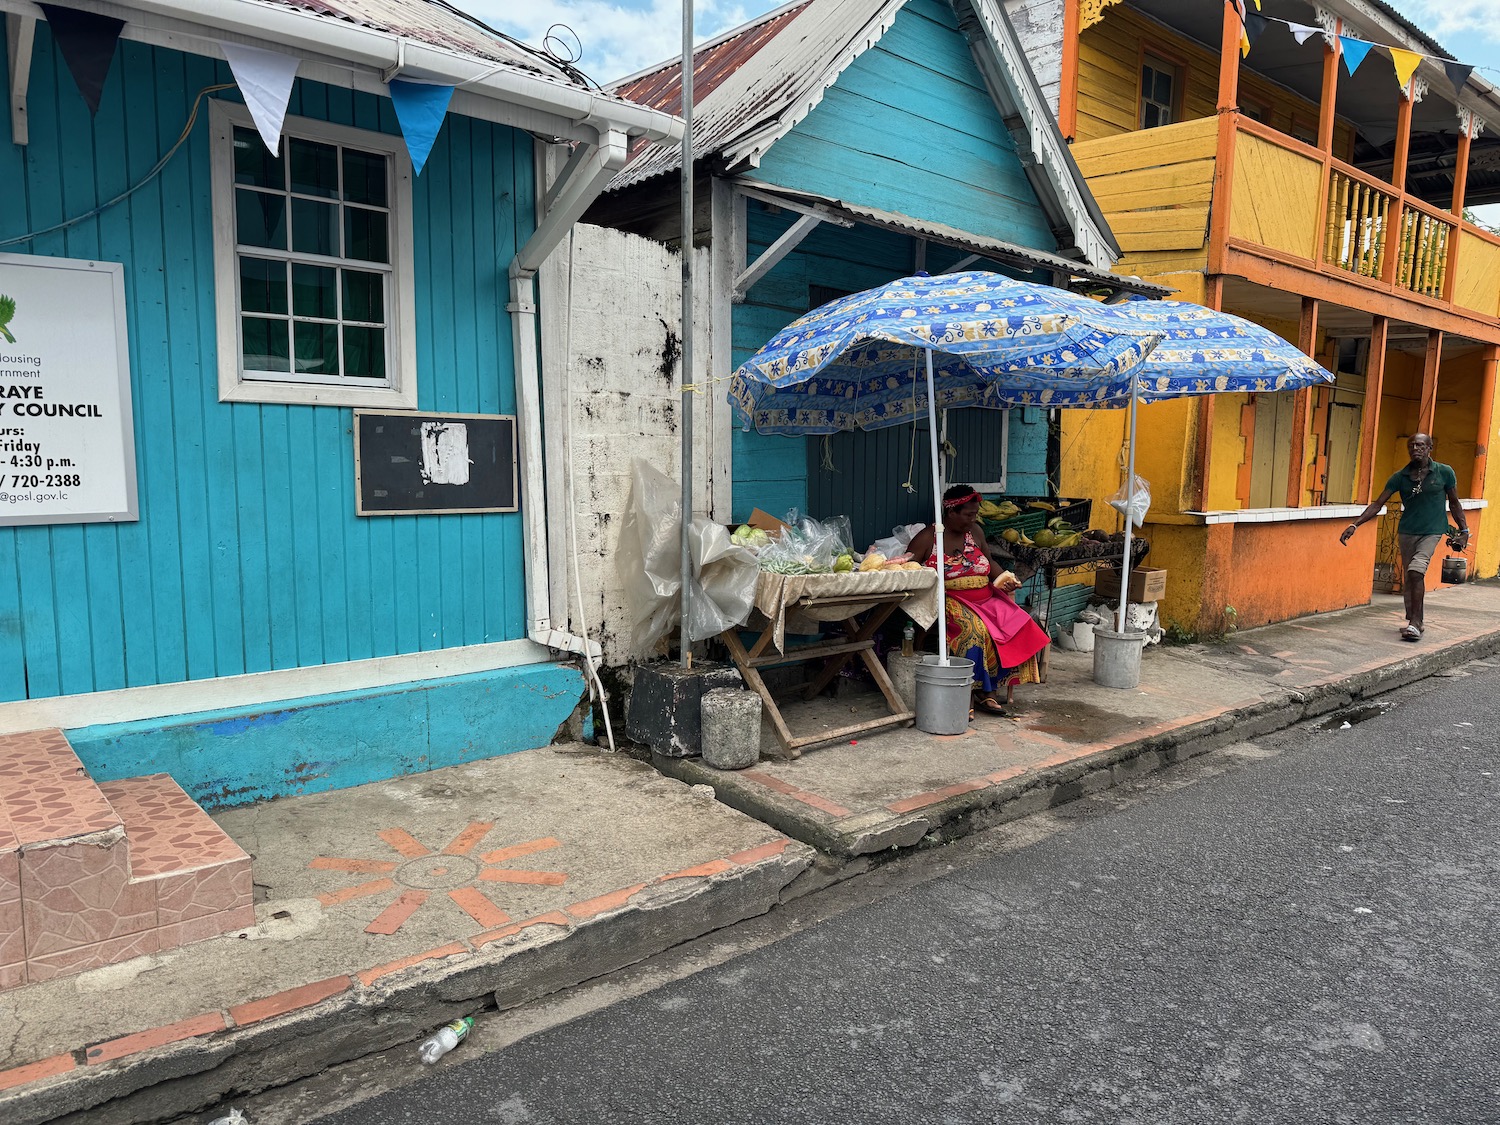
x: 990, y: 706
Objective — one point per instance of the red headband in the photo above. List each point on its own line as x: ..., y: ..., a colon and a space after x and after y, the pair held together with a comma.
x: 959, y: 501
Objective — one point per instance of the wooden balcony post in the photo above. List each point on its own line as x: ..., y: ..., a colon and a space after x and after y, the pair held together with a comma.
x: 1307, y: 343
x: 1432, y: 361
x: 1486, y: 421
x: 1394, y: 241
x: 1229, y: 60
x: 1460, y: 193
x: 1067, y: 95
x: 1369, y: 422
x: 1326, y: 113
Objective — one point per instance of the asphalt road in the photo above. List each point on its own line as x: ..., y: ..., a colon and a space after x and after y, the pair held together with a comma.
x: 1310, y: 936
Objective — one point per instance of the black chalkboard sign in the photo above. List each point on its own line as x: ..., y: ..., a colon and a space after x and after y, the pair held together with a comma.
x: 424, y: 464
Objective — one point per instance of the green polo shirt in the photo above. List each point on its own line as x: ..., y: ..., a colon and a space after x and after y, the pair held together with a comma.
x: 1424, y: 506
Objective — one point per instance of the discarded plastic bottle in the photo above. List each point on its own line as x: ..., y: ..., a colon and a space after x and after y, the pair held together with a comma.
x: 908, y: 639
x: 444, y: 1039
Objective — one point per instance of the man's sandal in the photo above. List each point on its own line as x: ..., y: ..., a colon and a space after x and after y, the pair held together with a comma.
x: 1411, y: 633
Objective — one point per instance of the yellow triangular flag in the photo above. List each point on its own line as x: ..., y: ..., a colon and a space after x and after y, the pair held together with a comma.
x: 1244, y: 41
x: 1406, y: 64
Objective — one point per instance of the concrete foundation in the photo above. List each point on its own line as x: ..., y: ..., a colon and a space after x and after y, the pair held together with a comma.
x: 731, y: 729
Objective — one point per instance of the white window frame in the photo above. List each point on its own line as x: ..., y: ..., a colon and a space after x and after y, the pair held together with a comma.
x: 400, y: 393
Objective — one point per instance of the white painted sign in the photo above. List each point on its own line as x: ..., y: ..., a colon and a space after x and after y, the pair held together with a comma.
x: 67, y: 435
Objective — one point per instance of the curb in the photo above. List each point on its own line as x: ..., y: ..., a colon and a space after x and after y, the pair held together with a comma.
x: 968, y: 806
x: 196, y: 1063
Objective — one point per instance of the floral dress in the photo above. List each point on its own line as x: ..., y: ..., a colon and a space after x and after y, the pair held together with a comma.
x: 985, y: 625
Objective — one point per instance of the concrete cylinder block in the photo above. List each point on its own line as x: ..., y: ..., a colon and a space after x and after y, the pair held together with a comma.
x: 731, y: 729
x: 903, y: 673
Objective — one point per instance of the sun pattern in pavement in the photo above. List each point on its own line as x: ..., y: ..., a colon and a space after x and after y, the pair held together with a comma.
x: 455, y: 870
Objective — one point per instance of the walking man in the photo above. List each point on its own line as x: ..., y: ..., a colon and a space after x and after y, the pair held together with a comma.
x: 1429, y: 492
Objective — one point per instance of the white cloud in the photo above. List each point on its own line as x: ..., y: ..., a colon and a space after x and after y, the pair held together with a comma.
x: 618, y: 38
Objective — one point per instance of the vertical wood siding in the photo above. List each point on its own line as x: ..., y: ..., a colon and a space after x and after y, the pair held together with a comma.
x: 248, y: 555
x: 910, y: 127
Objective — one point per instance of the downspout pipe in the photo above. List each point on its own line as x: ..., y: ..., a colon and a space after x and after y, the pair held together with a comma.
x: 585, y: 179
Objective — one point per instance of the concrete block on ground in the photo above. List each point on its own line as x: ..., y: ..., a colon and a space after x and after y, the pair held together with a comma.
x: 665, y: 708
x: 903, y: 673
x: 731, y: 729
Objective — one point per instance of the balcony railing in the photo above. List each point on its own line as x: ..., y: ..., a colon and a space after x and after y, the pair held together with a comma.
x: 1164, y: 193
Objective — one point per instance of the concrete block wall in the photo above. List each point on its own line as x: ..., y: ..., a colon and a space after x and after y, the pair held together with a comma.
x: 612, y: 393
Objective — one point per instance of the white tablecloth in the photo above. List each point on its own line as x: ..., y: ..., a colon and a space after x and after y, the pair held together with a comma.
x: 777, y: 597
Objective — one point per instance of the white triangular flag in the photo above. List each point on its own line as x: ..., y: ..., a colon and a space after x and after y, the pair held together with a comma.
x: 265, y: 80
x: 1302, y: 31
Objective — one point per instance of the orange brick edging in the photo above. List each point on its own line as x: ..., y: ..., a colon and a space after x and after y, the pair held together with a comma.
x: 310, y: 995
x: 787, y: 789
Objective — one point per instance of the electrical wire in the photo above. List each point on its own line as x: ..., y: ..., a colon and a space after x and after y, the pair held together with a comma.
x: 562, y: 64
x: 187, y: 129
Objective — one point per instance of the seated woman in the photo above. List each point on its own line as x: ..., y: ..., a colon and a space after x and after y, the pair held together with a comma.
x: 984, y: 623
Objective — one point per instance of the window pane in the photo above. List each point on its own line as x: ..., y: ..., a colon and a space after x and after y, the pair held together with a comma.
x: 314, y: 227
x: 1163, y: 94
x: 315, y: 168
x: 1147, y: 77
x: 315, y: 291
x: 364, y: 296
x: 260, y: 219
x: 364, y: 353
x: 365, y: 178
x: 256, y: 164
x: 265, y: 344
x: 365, y: 235
x: 262, y: 286
x: 1151, y: 118
x: 317, y: 348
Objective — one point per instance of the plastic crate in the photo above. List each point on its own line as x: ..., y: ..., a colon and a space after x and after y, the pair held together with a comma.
x: 1026, y: 522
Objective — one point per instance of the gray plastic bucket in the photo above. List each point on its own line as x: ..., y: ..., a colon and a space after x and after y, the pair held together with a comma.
x: 1117, y: 658
x: 943, y: 694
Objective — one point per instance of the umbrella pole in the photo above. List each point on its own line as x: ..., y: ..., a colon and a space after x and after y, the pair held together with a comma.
x: 687, y: 327
x: 1129, y: 496
x: 937, y: 521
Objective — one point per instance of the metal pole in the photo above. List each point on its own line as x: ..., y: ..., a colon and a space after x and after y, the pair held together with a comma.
x: 941, y: 625
x: 687, y: 323
x: 1135, y: 385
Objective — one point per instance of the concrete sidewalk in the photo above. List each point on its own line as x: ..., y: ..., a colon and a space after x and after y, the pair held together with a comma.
x: 1069, y: 736
x: 386, y: 910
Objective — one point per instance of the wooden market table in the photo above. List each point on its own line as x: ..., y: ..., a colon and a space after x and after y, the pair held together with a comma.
x: 860, y: 604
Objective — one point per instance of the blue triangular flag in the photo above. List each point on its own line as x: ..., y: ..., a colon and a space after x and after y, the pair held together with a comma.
x: 1354, y: 52
x: 420, y: 108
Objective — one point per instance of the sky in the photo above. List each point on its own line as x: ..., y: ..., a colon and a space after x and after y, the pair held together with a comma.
x: 619, y: 38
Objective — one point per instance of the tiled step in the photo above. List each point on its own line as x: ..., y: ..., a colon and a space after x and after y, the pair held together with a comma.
x: 91, y: 875
x: 201, y: 876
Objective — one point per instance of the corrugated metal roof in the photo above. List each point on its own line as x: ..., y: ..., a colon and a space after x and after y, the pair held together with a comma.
x: 995, y: 249
x: 713, y: 62
x: 777, y: 76
x: 433, y: 24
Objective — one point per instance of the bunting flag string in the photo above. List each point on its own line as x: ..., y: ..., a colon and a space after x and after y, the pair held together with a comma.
x: 265, y: 80
x: 420, y: 109
x: 87, y: 44
x: 1405, y: 61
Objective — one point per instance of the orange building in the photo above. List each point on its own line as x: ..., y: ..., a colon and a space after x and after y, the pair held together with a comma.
x: 1326, y: 206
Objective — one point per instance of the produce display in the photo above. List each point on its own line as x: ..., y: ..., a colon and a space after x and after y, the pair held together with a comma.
x: 808, y: 546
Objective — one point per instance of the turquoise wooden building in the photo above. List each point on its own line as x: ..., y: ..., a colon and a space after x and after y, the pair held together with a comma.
x: 839, y: 144
x: 247, y: 631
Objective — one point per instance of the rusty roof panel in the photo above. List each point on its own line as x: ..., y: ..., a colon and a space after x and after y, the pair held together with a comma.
x: 432, y: 24
x: 713, y: 62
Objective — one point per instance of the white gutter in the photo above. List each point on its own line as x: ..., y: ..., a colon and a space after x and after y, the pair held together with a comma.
x: 582, y: 180
x: 342, y: 42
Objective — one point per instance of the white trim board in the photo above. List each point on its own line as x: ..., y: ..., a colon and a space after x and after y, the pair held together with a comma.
x: 161, y: 701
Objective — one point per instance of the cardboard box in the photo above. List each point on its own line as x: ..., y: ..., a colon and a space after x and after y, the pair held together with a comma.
x: 766, y: 522
x: 1147, y: 583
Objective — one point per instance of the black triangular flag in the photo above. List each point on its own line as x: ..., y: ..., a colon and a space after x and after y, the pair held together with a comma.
x: 1458, y: 73
x: 1254, y: 26
x: 87, y: 42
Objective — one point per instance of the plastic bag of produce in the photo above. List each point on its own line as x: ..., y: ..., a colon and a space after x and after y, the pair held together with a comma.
x: 900, y: 539
x: 1136, y: 505
x: 649, y: 559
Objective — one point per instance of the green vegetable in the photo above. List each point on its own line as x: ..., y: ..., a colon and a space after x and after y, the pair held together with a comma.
x: 843, y: 564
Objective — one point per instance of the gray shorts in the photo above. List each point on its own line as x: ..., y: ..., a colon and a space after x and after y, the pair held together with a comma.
x: 1417, y: 551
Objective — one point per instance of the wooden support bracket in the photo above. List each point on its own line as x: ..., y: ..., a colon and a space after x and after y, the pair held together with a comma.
x: 20, y: 38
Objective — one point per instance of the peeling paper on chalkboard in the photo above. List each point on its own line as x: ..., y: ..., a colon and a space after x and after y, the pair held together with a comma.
x: 445, y: 453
